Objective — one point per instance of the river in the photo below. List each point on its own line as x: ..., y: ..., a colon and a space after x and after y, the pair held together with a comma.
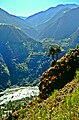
x: 17, y: 93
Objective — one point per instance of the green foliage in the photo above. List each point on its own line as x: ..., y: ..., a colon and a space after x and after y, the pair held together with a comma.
x: 22, y: 60
x: 54, y: 51
x: 77, y: 46
x: 61, y: 105
x: 58, y: 50
x: 22, y: 66
x: 4, y: 68
x: 77, y: 75
x: 14, y: 106
x: 72, y: 103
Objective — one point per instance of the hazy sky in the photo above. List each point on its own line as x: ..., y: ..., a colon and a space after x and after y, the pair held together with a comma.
x: 29, y: 7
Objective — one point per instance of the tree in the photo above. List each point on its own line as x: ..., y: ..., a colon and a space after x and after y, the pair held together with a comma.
x: 54, y: 51
x: 58, y: 50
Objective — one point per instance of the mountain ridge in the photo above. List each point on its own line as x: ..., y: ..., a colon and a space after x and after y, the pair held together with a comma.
x: 47, y: 14
x: 18, y: 22
x: 65, y: 22
x: 61, y: 100
x: 22, y: 56
x: 24, y: 51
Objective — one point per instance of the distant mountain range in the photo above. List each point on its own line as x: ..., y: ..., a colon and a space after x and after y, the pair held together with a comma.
x: 44, y: 16
x: 22, y: 17
x: 23, y: 42
x: 62, y: 26
x: 7, y: 18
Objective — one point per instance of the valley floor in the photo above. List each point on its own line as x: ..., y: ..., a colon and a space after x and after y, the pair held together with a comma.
x: 16, y: 97
x: 18, y: 93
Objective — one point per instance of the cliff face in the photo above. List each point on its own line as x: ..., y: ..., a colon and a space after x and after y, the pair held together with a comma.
x: 59, y: 74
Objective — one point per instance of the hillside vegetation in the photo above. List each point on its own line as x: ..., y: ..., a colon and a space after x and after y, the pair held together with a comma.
x: 56, y: 100
x: 58, y: 75
x: 22, y: 59
x: 61, y: 105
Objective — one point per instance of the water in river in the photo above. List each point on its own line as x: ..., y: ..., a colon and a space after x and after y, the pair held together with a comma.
x: 18, y: 93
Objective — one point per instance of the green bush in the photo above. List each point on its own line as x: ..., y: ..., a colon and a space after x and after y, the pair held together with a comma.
x: 77, y: 75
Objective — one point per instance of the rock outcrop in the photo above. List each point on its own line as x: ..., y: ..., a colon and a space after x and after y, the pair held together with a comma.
x: 59, y: 74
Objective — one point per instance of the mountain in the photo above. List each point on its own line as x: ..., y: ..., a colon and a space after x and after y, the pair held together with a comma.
x: 22, y: 59
x: 22, y: 17
x: 61, y: 89
x: 7, y: 18
x: 40, y: 28
x: 4, y: 73
x: 63, y: 27
x: 72, y: 41
x: 43, y: 16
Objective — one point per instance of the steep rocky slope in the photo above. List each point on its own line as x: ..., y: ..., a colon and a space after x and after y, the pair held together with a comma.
x: 58, y: 75
x: 62, y: 104
x: 55, y: 97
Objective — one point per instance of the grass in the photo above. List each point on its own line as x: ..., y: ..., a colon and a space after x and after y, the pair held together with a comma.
x: 61, y: 105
